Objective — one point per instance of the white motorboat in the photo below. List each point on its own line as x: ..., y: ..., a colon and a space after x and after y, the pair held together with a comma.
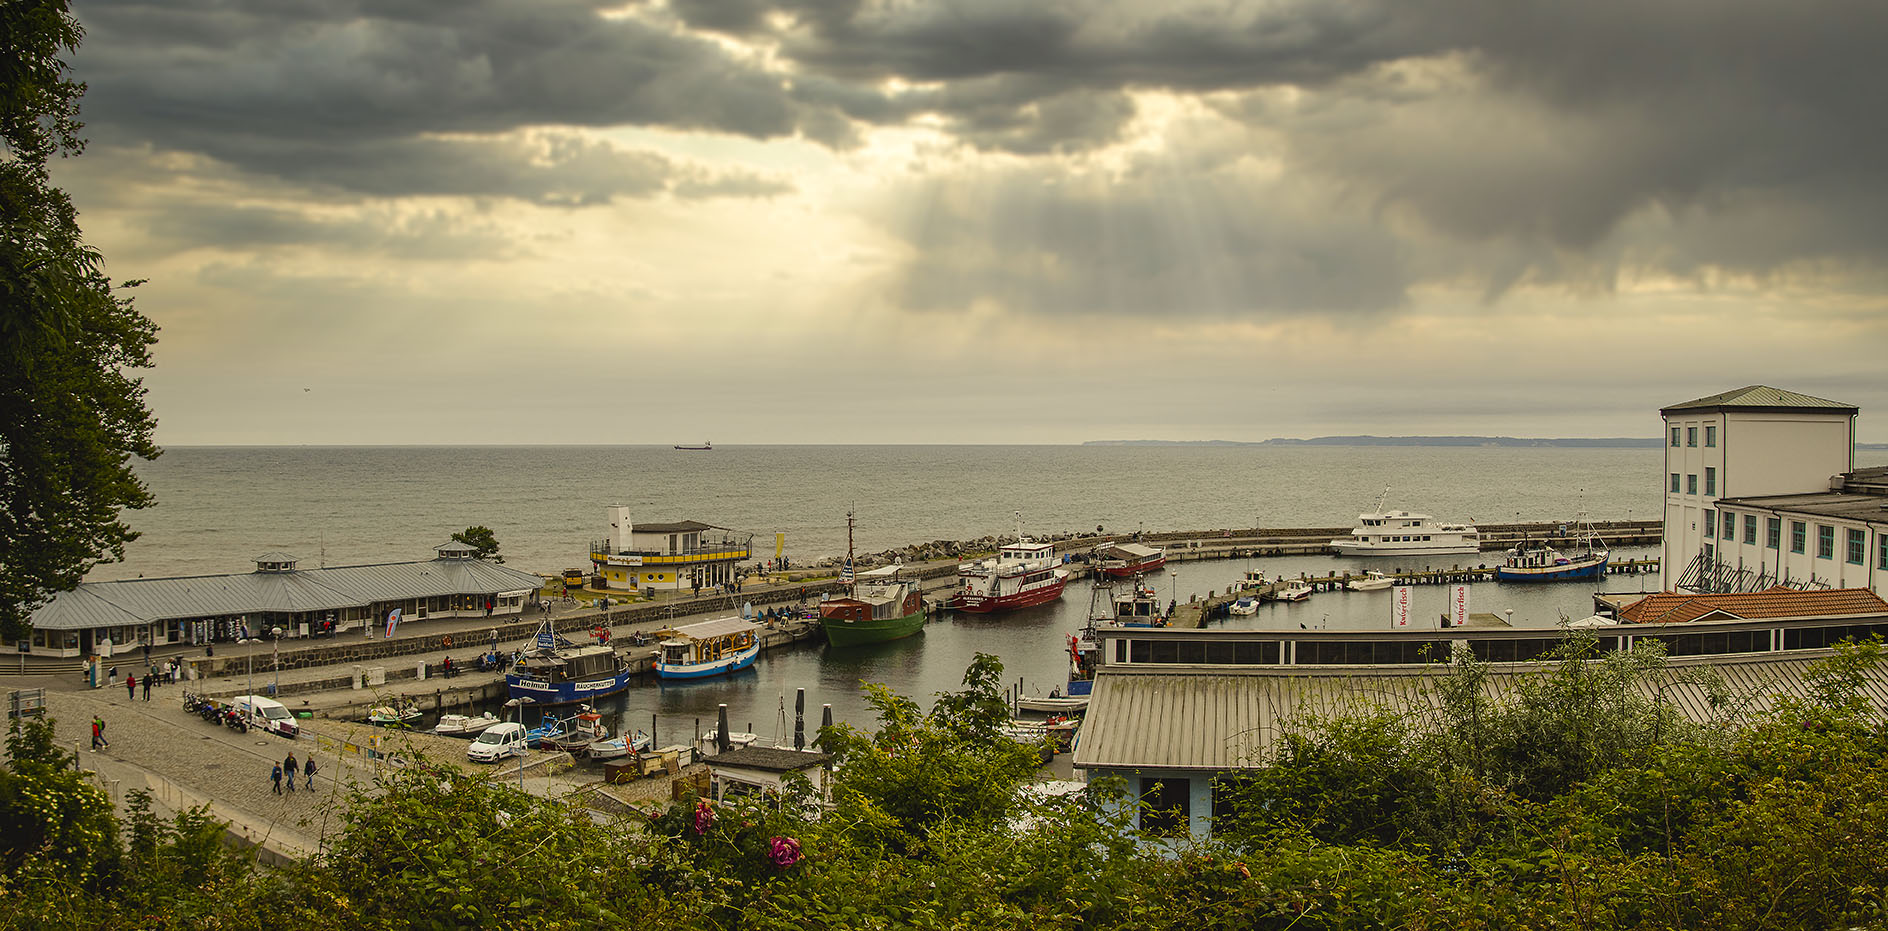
x: 1402, y: 533
x: 392, y: 716
x: 1022, y: 574
x: 1246, y: 606
x: 460, y: 725
x: 1295, y: 590
x: 619, y: 746
x: 1371, y: 581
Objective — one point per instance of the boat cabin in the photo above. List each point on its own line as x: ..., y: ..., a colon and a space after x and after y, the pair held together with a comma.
x: 570, y: 664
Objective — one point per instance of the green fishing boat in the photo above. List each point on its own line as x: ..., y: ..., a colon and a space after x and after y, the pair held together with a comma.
x: 879, y: 605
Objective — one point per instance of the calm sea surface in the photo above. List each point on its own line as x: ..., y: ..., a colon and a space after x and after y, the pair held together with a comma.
x: 220, y: 507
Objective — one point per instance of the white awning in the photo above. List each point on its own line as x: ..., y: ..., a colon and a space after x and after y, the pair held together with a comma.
x: 719, y: 627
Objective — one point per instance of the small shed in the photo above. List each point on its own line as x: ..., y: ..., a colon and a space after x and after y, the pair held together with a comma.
x: 750, y: 770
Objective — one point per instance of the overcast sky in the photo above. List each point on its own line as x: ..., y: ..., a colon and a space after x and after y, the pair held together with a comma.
x: 1013, y: 221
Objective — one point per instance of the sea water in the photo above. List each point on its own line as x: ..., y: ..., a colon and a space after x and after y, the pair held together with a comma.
x: 220, y: 507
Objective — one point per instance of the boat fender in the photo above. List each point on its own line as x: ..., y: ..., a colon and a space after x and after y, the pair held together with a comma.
x: 446, y: 641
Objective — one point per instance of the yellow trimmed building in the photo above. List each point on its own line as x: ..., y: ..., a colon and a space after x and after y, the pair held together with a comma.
x: 674, y: 556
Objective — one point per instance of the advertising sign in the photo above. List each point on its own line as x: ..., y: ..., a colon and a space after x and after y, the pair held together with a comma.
x: 1399, y: 605
x: 1458, y: 606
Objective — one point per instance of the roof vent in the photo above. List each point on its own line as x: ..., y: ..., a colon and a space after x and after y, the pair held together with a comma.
x: 275, y: 562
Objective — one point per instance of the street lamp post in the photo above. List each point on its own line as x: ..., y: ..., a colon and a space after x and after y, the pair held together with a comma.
x: 275, y: 663
x: 250, y: 661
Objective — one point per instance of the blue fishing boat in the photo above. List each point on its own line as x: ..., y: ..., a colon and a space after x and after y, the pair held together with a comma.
x: 556, y: 671
x: 1536, y: 561
x: 711, y: 648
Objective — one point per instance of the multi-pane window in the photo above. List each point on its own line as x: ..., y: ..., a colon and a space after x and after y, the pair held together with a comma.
x: 1710, y: 435
x: 1730, y: 525
x: 1674, y: 483
x: 1674, y: 437
x: 1825, y: 541
x: 1691, y: 483
x: 1750, y: 529
x: 1773, y: 532
x: 1857, y: 547
x: 1797, y: 532
x: 1881, y: 550
x: 1710, y: 523
x: 1710, y: 480
x: 1691, y: 436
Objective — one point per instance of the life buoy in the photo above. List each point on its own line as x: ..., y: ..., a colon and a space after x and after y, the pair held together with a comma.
x: 446, y: 641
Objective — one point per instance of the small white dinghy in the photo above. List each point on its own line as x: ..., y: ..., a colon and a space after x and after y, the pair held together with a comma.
x: 619, y: 746
x: 460, y: 725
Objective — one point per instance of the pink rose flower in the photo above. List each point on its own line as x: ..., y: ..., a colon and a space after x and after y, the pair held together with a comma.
x: 704, y: 816
x: 784, y: 851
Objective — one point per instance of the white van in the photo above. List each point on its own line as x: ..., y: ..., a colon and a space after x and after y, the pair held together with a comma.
x: 267, y: 714
x: 498, y: 742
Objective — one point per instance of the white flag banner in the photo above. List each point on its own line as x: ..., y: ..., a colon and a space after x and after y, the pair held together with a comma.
x: 1458, y: 606
x: 1399, y: 605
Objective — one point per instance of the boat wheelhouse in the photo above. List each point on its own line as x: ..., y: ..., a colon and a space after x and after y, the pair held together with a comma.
x: 1022, y: 574
x: 710, y: 648
x: 556, y: 671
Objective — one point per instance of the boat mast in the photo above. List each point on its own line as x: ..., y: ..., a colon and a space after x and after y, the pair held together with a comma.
x: 852, y: 587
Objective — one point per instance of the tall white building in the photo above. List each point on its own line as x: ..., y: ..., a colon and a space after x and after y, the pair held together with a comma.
x: 1752, y: 442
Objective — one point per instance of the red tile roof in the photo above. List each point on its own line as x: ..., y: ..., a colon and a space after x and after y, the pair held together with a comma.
x: 1778, y: 602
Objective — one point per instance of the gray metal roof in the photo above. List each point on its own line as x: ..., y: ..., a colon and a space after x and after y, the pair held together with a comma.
x: 1195, y: 718
x: 768, y: 759
x: 1866, y: 508
x: 143, y: 601
x: 1752, y: 397
x: 277, y: 556
x: 684, y: 526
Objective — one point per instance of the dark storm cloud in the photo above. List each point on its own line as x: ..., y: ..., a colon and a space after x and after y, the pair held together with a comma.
x: 342, y: 93
x: 1500, y: 141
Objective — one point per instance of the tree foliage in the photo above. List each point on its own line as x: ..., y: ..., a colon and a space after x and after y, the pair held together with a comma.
x: 71, y: 417
x: 482, y: 539
x: 1775, y: 820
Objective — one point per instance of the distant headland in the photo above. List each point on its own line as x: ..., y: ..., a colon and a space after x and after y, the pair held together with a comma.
x: 1601, y: 442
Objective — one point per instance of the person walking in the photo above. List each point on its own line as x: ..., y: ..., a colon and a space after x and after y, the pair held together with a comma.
x: 291, y: 767
x: 131, y: 686
x: 147, y: 684
x: 309, y: 769
x: 98, y: 733
x: 275, y: 776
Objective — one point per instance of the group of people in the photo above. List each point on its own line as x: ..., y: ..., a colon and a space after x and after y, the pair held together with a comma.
x: 291, y: 768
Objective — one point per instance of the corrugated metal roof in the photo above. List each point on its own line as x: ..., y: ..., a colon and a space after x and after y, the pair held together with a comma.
x: 1216, y: 719
x: 719, y: 627
x: 1754, y: 396
x: 143, y: 601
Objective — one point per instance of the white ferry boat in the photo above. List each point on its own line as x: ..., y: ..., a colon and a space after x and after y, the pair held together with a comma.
x: 1401, y: 533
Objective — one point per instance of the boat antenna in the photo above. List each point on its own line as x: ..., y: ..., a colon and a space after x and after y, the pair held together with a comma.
x: 1019, y: 527
x: 1382, y: 498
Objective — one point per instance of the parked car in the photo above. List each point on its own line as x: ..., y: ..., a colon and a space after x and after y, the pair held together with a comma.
x: 498, y: 742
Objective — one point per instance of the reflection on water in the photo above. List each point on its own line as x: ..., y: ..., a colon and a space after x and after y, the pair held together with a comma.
x: 1032, y: 644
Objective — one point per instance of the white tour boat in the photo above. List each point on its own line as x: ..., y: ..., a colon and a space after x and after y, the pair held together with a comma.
x: 1402, y: 533
x: 1022, y: 574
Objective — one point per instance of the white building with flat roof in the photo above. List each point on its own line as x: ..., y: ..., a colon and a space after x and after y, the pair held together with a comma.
x: 1751, y: 442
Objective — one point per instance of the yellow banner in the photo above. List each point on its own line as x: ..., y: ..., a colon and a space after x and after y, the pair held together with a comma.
x: 780, y: 544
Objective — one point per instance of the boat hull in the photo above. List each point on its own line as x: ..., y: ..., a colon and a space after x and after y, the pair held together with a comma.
x: 566, y: 693
x: 724, y: 666
x: 1569, y: 571
x: 1027, y: 598
x: 1053, y: 705
x: 1129, y: 570
x: 1353, y: 548
x: 841, y: 633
